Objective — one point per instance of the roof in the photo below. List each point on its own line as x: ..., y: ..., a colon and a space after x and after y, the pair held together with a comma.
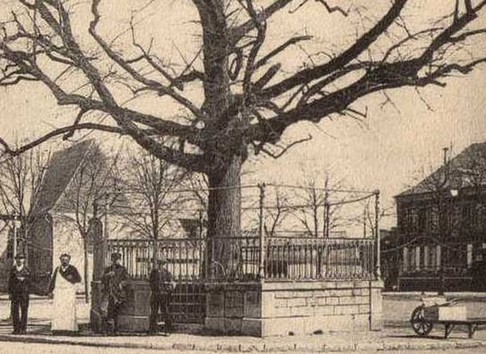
x: 468, y: 169
x: 60, y: 171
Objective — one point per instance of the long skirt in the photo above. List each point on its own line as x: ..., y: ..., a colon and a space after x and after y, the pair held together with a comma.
x: 64, y: 306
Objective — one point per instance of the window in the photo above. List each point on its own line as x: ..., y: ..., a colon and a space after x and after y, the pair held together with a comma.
x: 421, y: 220
x: 469, y: 255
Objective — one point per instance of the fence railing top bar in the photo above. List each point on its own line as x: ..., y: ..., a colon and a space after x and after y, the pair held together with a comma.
x: 147, y: 240
x: 336, y: 190
x: 313, y: 238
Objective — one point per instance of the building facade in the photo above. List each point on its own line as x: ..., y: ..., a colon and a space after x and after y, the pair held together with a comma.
x: 440, y: 239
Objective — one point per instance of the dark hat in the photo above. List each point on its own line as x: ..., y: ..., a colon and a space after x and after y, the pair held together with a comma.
x: 20, y: 256
x: 65, y: 255
x: 116, y: 256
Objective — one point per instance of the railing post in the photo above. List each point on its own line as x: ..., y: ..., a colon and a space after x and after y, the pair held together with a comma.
x: 14, y: 241
x: 106, y: 229
x: 377, y: 235
x: 261, y: 231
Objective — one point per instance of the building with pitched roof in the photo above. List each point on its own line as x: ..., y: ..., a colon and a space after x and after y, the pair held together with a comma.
x: 440, y: 239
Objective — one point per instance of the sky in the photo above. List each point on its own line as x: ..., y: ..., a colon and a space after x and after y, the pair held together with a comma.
x: 391, y: 149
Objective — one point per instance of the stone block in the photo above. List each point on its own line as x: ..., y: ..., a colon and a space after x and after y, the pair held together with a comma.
x: 283, y: 326
x: 364, y: 308
x: 253, y: 304
x: 332, y: 300
x: 346, y: 310
x: 345, y: 285
x: 232, y: 325
x: 215, y: 304
x: 284, y: 295
x: 346, y: 300
x: 302, y: 311
x: 270, y: 312
x: 133, y: 324
x: 376, y: 306
x: 341, y: 323
x: 296, y: 302
x: 252, y: 327
x: 322, y: 293
x: 324, y: 310
x: 214, y: 324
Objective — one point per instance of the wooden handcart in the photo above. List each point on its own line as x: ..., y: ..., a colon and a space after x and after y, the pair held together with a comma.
x: 440, y: 311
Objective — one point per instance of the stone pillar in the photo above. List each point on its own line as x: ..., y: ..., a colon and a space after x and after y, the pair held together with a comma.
x: 376, y: 305
x: 234, y: 308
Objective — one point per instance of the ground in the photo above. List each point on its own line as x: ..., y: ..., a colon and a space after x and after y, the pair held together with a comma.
x: 397, y: 336
x: 70, y: 349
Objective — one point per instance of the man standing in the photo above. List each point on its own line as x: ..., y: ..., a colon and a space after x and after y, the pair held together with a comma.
x: 18, y: 289
x: 63, y: 288
x: 162, y: 286
x: 114, y: 286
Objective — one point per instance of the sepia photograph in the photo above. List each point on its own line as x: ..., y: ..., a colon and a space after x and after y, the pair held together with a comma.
x: 285, y: 176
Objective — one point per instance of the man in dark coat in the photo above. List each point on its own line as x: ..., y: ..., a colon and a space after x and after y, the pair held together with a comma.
x: 162, y: 285
x: 18, y: 289
x: 114, y: 285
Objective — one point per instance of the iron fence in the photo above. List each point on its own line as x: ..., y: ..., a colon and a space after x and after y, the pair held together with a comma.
x: 240, y: 258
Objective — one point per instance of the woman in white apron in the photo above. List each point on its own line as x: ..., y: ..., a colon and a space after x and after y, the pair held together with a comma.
x: 63, y: 290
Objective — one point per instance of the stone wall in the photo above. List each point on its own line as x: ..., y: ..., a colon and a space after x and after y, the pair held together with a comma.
x: 134, y: 315
x: 291, y: 308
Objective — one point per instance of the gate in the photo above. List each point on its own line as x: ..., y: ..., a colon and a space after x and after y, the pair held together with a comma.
x: 184, y: 261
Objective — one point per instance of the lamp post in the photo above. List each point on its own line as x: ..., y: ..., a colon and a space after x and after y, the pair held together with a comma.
x: 16, y: 226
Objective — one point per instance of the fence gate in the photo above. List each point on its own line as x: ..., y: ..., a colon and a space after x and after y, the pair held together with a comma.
x: 184, y: 261
x: 188, y: 303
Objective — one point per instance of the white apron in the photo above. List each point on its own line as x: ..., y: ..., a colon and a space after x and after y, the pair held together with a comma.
x: 64, y: 306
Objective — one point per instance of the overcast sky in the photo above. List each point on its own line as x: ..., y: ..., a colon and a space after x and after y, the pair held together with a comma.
x: 390, y: 150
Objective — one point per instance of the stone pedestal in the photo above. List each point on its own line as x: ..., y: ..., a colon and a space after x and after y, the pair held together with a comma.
x: 291, y: 308
x: 134, y: 315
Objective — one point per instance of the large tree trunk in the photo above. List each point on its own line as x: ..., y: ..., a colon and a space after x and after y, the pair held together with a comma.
x: 224, y: 219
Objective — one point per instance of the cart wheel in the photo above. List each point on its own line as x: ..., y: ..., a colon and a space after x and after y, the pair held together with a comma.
x: 419, y: 324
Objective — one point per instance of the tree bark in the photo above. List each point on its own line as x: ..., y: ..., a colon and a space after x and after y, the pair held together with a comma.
x: 224, y: 219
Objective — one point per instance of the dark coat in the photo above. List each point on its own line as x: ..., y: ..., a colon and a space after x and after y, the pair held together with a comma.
x: 19, y: 282
x: 160, y: 281
x: 71, y: 274
x: 114, y: 282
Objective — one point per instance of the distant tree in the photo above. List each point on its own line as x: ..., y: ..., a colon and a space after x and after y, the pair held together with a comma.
x: 153, y: 204
x: 95, y: 186
x: 20, y: 183
x: 319, y: 205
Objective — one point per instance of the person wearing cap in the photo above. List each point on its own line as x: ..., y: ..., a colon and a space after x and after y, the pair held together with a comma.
x: 114, y: 284
x: 162, y: 285
x: 63, y: 290
x: 18, y: 289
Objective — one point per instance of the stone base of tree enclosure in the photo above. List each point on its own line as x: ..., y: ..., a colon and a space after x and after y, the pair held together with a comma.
x: 293, y: 307
x: 134, y: 314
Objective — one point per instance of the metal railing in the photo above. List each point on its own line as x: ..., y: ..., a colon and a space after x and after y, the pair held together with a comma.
x: 184, y: 256
x: 240, y: 258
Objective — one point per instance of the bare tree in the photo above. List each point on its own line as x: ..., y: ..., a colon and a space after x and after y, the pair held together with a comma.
x: 20, y: 183
x: 277, y: 213
x: 319, y: 206
x: 94, y: 186
x: 151, y: 183
x: 248, y: 100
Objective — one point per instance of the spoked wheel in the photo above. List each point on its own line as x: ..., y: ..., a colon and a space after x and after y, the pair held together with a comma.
x: 419, y: 324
